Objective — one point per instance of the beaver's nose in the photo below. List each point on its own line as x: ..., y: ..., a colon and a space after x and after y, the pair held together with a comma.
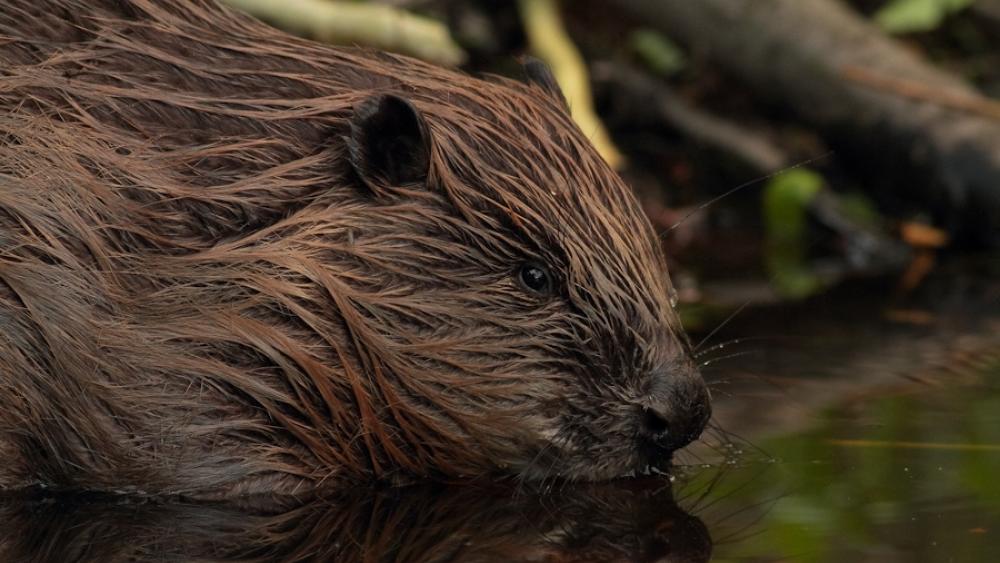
x: 676, y: 414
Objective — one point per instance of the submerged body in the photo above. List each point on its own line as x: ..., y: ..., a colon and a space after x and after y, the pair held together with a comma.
x: 236, y: 262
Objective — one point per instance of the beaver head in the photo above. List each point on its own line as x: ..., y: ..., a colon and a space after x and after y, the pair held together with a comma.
x: 363, y: 264
x: 517, y: 278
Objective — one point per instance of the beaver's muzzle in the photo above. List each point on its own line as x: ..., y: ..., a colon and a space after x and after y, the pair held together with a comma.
x: 674, y: 414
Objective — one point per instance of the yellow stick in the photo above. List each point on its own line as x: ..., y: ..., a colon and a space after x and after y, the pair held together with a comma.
x: 347, y: 23
x: 550, y: 42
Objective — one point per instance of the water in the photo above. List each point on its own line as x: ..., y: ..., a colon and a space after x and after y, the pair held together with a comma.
x: 872, y: 427
x: 858, y: 427
x: 912, y: 476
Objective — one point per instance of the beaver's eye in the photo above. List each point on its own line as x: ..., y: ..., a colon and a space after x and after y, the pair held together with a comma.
x: 535, y: 278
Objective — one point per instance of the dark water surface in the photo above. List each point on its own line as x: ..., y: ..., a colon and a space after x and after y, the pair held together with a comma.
x: 856, y: 427
x: 873, y: 423
x: 910, y: 476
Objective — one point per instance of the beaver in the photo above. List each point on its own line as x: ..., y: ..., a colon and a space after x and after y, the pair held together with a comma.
x: 235, y: 262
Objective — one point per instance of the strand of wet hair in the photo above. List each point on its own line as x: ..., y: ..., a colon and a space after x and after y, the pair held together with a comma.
x: 740, y: 187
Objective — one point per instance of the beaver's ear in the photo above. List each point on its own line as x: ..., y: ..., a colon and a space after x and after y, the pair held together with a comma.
x: 389, y: 144
x: 539, y: 74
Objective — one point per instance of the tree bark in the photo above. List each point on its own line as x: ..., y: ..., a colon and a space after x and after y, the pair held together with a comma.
x: 879, y: 104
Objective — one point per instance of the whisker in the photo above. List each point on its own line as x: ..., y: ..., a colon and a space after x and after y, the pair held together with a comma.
x: 734, y: 438
x: 720, y: 327
x: 710, y: 487
x: 712, y: 361
x: 522, y: 476
x: 728, y: 193
x: 719, y: 346
x: 733, y: 493
x: 714, y: 387
x: 733, y: 342
x: 746, y: 531
x: 687, y: 453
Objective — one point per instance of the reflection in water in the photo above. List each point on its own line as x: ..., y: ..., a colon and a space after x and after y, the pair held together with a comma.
x: 635, y: 521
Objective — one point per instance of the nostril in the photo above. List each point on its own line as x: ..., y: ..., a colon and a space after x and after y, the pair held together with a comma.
x: 654, y: 424
x: 676, y: 426
x: 672, y: 415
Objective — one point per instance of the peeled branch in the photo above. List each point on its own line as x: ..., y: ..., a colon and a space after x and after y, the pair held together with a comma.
x: 550, y: 42
x: 349, y: 23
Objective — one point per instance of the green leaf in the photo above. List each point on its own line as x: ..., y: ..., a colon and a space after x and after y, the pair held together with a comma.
x: 908, y: 16
x: 658, y: 52
x: 786, y: 201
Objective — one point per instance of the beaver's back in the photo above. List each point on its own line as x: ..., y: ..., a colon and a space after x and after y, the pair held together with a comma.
x: 176, y: 206
x: 172, y: 79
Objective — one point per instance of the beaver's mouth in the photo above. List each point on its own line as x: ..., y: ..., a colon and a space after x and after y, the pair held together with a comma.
x: 632, y: 442
x: 654, y: 459
x: 644, y: 458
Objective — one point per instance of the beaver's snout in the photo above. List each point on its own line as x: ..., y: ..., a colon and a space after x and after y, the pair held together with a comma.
x: 677, y: 411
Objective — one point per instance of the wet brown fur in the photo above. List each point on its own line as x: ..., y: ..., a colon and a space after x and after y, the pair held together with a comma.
x: 198, y: 295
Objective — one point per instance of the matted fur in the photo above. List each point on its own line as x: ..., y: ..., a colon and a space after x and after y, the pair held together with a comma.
x: 198, y: 296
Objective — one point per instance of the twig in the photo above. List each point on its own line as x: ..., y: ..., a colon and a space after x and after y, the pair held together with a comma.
x: 346, y: 23
x: 751, y: 147
x: 961, y: 101
x: 550, y: 42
